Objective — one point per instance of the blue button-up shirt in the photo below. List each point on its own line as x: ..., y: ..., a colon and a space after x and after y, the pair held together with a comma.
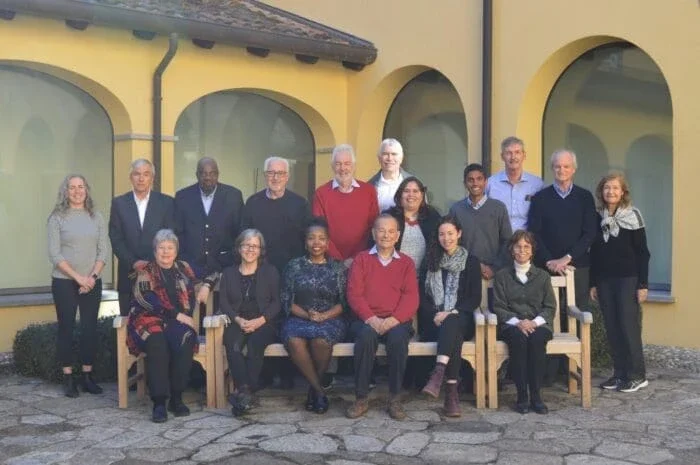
x: 516, y: 197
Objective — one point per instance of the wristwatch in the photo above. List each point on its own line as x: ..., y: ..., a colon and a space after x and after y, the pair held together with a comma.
x: 95, y: 277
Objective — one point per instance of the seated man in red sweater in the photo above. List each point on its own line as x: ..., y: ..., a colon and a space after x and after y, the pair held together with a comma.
x: 383, y: 294
x: 348, y: 205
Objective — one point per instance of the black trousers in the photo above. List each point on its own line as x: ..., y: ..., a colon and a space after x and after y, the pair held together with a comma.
x: 68, y: 301
x: 125, y: 302
x: 168, y: 371
x: 450, y: 335
x: 366, y: 341
x: 245, y: 369
x: 623, y: 325
x: 527, y: 356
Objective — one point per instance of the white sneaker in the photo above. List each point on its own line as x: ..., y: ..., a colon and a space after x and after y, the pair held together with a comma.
x: 633, y: 385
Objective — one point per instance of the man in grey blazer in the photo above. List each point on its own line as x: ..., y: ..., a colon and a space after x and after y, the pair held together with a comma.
x: 134, y: 220
x: 388, y: 178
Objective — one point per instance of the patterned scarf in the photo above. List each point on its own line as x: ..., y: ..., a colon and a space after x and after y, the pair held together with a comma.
x: 446, y: 298
x: 624, y: 217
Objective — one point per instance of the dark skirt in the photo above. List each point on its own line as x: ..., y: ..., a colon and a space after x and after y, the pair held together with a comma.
x: 332, y: 331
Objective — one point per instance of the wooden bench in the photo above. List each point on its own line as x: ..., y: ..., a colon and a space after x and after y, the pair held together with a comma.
x: 574, y: 343
x: 472, y: 351
x: 205, y: 356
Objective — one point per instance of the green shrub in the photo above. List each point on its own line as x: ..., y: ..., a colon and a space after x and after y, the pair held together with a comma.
x: 34, y: 351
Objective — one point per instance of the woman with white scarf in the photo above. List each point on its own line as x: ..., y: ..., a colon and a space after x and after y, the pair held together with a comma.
x: 452, y: 293
x: 619, y: 281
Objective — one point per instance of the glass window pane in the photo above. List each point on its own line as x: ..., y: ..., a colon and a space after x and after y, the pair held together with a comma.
x: 612, y: 106
x: 240, y: 130
x: 48, y: 129
x: 428, y: 119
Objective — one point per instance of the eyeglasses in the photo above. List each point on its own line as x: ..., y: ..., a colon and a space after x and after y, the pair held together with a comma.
x: 250, y: 247
x: 275, y: 174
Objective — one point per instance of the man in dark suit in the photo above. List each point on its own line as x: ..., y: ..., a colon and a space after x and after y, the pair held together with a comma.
x: 207, y: 220
x: 134, y: 220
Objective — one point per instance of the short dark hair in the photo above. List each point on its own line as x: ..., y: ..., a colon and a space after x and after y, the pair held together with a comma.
x: 474, y: 167
x: 522, y: 234
x: 316, y: 222
x: 434, y: 251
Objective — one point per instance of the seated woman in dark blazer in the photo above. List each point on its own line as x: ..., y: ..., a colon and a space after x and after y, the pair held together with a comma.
x: 249, y: 296
x: 525, y: 306
x: 452, y: 293
x: 313, y: 297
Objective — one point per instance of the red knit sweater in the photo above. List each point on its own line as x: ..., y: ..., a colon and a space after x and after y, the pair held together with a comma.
x: 383, y: 291
x: 350, y: 217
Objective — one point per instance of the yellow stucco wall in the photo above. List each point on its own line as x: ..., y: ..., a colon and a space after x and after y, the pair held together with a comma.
x: 533, y: 44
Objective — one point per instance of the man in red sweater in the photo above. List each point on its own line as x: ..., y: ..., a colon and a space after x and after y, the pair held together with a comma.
x: 348, y: 205
x: 383, y: 293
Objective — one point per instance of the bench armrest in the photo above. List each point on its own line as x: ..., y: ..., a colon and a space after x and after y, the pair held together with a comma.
x: 491, y: 318
x: 215, y: 321
x: 479, y: 319
x: 583, y: 317
x: 120, y: 322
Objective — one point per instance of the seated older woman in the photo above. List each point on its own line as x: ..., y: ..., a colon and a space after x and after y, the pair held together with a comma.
x: 161, y: 324
x: 525, y: 306
x: 249, y: 296
x: 313, y: 296
x: 452, y: 293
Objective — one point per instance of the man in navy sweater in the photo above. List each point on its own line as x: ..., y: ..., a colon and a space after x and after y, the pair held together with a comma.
x: 563, y: 219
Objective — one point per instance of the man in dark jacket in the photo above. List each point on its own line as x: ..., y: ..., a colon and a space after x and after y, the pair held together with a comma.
x: 134, y: 220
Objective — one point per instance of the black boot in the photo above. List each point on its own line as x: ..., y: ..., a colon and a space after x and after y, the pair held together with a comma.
x: 89, y: 384
x: 176, y: 406
x: 69, y: 387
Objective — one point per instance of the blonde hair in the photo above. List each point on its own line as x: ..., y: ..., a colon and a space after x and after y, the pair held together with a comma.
x: 626, y: 200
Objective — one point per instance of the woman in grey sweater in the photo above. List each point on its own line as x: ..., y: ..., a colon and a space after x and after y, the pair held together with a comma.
x: 524, y: 304
x: 78, y: 250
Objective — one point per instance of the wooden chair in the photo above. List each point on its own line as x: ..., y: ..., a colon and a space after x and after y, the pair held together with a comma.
x: 574, y: 343
x: 125, y: 359
x: 472, y: 351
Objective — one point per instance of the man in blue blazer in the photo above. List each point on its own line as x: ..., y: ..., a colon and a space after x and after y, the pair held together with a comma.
x: 134, y: 220
x: 207, y: 220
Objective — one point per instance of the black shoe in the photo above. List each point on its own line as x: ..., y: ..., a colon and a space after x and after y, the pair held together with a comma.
x: 178, y: 408
x: 612, y: 383
x: 69, y: 387
x: 89, y: 385
x: 241, y: 402
x: 310, y: 399
x: 321, y: 404
x: 633, y: 385
x: 160, y: 415
x: 521, y: 407
x: 539, y: 407
x: 327, y: 381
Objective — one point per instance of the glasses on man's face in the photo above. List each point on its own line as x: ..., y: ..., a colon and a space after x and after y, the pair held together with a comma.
x: 251, y: 247
x: 275, y: 174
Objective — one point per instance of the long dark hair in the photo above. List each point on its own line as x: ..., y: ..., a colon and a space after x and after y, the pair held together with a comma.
x: 424, y: 208
x: 435, y: 251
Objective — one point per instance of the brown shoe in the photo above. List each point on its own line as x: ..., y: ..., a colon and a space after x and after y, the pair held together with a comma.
x: 452, y: 408
x: 432, y: 388
x: 395, y: 408
x: 357, y: 409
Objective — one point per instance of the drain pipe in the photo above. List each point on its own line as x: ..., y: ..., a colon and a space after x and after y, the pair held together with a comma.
x: 158, y: 108
x: 486, y: 83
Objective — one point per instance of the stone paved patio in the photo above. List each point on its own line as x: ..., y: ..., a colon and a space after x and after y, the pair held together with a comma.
x: 659, y: 425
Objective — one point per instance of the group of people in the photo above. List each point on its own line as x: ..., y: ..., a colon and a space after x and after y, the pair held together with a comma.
x: 359, y: 264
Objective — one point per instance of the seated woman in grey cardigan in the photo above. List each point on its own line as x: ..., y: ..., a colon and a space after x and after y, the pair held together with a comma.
x: 249, y: 296
x: 524, y: 304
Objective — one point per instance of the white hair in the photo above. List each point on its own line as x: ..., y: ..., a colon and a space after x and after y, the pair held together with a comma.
x: 136, y: 164
x: 343, y: 148
x: 269, y: 160
x: 165, y: 235
x: 559, y: 153
x: 392, y: 142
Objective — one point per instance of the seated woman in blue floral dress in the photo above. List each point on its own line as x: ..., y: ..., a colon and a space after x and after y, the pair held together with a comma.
x: 313, y: 295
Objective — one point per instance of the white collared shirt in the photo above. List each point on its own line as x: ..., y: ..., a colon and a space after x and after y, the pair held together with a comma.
x: 385, y: 262
x: 141, y: 206
x: 208, y: 199
x: 336, y: 185
x: 479, y: 204
x: 386, y: 190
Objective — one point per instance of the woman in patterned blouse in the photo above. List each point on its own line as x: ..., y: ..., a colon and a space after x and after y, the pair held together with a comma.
x: 313, y: 295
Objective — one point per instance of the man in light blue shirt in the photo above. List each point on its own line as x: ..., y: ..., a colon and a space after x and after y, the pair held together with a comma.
x: 513, y: 186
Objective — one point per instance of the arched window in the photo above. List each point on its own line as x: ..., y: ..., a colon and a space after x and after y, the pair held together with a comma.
x: 240, y: 130
x: 48, y: 129
x: 428, y: 119
x: 612, y: 106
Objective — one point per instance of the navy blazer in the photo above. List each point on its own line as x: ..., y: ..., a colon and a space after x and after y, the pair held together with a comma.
x: 206, y: 241
x: 130, y: 241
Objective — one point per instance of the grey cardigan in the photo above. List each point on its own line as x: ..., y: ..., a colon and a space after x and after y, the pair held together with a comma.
x: 512, y: 298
